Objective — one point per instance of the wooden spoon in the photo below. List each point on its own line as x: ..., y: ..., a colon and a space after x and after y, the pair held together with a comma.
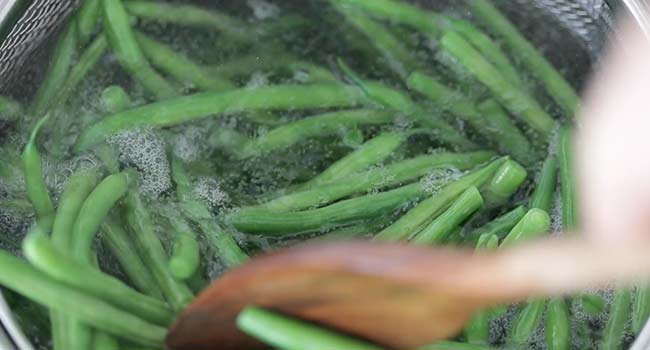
x: 395, y: 295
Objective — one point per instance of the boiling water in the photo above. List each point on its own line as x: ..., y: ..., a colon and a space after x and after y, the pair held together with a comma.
x: 224, y: 182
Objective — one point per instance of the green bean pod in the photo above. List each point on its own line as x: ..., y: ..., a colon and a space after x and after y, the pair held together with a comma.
x: 501, y: 225
x: 319, y: 125
x: 103, y: 341
x: 487, y: 47
x: 398, y: 101
x: 504, y: 183
x: 222, y: 244
x: 93, y: 212
x: 41, y: 253
x: 22, y: 278
x: 87, y: 60
x: 440, y: 228
x: 285, y: 332
x: 87, y: 18
x: 619, y: 314
x: 151, y: 250
x: 189, y: 15
x: 76, y: 191
x: 115, y: 99
x: 558, y: 325
x: 420, y: 215
x: 512, y: 97
x: 397, y: 56
x: 394, y: 174
x: 567, y: 180
x: 370, y: 206
x: 179, y: 66
x: 542, y: 197
x: 57, y: 72
x: 37, y: 191
x: 369, y: 153
x: 526, y: 322
x: 593, y: 304
x: 535, y: 223
x: 352, y: 137
x: 185, y: 259
x: 496, y: 127
x: 187, y: 108
x: 513, y: 141
x: 561, y: 91
x: 123, y: 248
x: 125, y: 46
x: 640, y: 309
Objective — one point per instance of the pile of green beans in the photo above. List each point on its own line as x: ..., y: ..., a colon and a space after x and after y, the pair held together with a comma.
x: 270, y: 131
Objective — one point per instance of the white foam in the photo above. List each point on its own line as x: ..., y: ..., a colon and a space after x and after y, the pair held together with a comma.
x: 144, y: 150
x: 262, y: 9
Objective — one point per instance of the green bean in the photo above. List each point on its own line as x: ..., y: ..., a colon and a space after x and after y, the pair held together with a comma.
x: 19, y: 276
x: 88, y: 59
x: 179, y: 66
x: 563, y: 94
x: 486, y: 46
x: 395, y: 99
x: 35, y: 182
x: 619, y: 314
x: 87, y: 19
x: 123, y: 248
x: 450, y: 345
x: 495, y: 127
x: 46, y: 257
x: 190, y: 16
x: 93, y: 212
x: 222, y: 244
x: 115, y: 99
x: 393, y: 174
x: 535, y: 223
x: 396, y: 54
x: 558, y: 325
x: 125, y: 46
x: 185, y: 259
x: 567, y: 180
x: 417, y: 217
x: 352, y: 137
x: 515, y: 141
x: 103, y: 341
x: 442, y: 226
x: 272, y: 60
x: 477, y: 330
x: 593, y: 304
x: 360, y: 208
x: 542, y: 197
x: 57, y: 72
x: 369, y: 153
x: 512, y: 97
x: 285, y: 332
x: 153, y: 254
x: 501, y: 225
x: 640, y: 309
x: 526, y: 322
x: 76, y: 190
x: 319, y: 125
x: 188, y: 108
x: 504, y: 183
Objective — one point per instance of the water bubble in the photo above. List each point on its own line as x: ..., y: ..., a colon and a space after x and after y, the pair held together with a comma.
x: 263, y: 9
x: 209, y: 190
x: 144, y: 150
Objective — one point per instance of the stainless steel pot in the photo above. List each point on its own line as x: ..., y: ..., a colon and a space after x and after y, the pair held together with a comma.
x: 25, y: 26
